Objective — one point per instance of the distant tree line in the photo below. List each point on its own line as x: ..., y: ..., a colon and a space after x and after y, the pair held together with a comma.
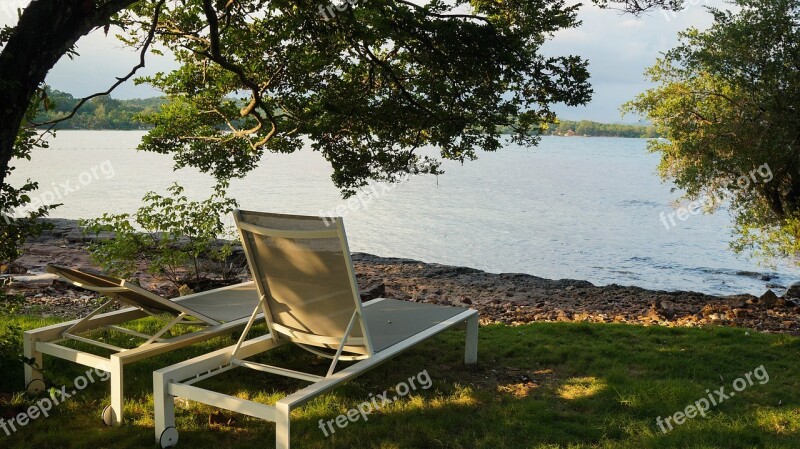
x: 595, y: 129
x: 99, y: 113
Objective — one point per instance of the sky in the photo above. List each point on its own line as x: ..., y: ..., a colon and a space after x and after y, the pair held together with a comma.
x: 619, y: 48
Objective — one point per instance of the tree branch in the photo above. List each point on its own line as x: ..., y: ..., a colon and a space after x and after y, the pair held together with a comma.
x: 142, y: 55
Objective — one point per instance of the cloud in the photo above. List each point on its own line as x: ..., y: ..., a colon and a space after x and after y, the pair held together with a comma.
x: 619, y: 48
x: 102, y: 59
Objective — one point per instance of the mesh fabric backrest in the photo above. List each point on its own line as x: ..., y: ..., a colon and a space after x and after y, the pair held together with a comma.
x: 134, y: 295
x: 309, y: 288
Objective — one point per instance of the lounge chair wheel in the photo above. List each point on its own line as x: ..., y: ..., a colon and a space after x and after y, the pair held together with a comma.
x: 35, y: 386
x: 169, y: 438
x: 108, y: 416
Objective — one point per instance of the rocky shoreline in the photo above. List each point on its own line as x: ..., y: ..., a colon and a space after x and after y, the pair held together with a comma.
x: 505, y: 298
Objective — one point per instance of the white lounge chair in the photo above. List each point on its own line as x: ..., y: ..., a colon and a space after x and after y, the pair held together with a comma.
x: 221, y: 311
x: 309, y: 296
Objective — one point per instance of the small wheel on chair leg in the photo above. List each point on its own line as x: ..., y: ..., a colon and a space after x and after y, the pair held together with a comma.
x: 35, y: 386
x: 169, y: 438
x: 108, y: 416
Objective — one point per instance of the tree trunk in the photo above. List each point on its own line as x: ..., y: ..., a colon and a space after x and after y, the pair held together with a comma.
x: 45, y: 32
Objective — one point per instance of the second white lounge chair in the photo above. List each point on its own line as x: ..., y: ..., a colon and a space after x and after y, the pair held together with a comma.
x: 220, y: 312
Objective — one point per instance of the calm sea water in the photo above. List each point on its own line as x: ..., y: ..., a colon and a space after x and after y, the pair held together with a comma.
x: 581, y: 208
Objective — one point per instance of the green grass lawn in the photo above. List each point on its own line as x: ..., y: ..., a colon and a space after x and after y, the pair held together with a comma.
x: 543, y: 385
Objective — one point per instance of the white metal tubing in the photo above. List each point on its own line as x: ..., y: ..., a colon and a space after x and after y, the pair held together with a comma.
x: 164, y: 405
x: 471, y: 351
x: 282, y: 426
x: 223, y: 401
x: 206, y: 362
x: 164, y: 329
x: 117, y: 381
x: 341, y: 345
x: 247, y: 327
x: 351, y: 273
x: 210, y: 373
x: 32, y: 357
x: 128, y: 332
x: 277, y: 370
x: 72, y: 355
x: 143, y: 352
x: 288, y: 234
x: 53, y: 332
x: 164, y: 401
x: 301, y: 397
x: 93, y: 342
x: 91, y: 315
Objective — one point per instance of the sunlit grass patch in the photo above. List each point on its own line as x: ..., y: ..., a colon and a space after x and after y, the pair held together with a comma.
x: 581, y: 387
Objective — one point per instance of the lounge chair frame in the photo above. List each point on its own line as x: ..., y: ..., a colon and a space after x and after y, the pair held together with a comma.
x: 47, y: 340
x: 177, y: 380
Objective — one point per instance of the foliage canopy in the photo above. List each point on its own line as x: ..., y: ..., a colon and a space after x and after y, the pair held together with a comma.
x: 367, y: 85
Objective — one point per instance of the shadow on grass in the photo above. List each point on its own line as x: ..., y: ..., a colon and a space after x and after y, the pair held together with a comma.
x: 544, y: 385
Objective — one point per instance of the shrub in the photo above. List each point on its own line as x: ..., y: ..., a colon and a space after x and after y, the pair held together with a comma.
x: 170, y: 235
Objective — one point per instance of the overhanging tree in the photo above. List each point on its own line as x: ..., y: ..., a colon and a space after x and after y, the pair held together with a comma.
x: 398, y: 46
x: 727, y: 100
x: 367, y: 83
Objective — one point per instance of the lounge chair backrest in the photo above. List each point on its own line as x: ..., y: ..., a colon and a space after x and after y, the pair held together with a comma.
x: 123, y: 290
x: 302, y: 267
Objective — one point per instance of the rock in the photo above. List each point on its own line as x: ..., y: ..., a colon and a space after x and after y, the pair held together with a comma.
x: 466, y: 301
x: 13, y: 268
x: 665, y: 310
x: 563, y: 316
x: 33, y: 281
x: 769, y: 299
x: 707, y: 310
x: 793, y: 291
x: 740, y: 313
x: 716, y: 319
x: 654, y: 313
x: 582, y: 317
x: 373, y: 291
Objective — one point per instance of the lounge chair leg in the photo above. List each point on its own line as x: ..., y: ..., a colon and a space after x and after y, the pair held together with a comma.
x: 282, y: 426
x: 164, y: 405
x: 471, y: 355
x: 116, y: 391
x: 35, y: 358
